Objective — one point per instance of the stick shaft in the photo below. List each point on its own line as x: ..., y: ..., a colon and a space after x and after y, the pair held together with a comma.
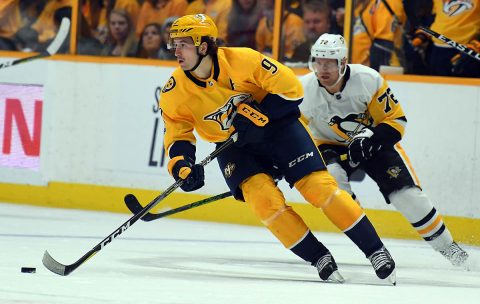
x: 460, y: 47
x: 61, y: 269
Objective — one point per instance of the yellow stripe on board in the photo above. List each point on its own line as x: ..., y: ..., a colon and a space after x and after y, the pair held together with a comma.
x: 389, y: 224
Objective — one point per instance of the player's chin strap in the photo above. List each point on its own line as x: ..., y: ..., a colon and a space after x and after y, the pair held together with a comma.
x: 200, y: 58
x: 340, y: 75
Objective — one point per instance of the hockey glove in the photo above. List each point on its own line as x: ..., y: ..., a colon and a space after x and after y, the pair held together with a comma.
x: 464, y: 65
x: 193, y: 175
x: 248, y: 123
x: 420, y: 39
x: 361, y: 147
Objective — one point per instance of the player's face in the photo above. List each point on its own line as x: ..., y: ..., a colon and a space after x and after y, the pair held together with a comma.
x: 186, y: 52
x: 326, y: 71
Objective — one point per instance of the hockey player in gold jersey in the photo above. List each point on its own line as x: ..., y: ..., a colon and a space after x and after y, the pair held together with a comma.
x: 214, y: 92
x: 351, y: 110
x: 458, y: 20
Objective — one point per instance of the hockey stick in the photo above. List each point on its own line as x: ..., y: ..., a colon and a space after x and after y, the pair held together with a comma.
x: 61, y: 269
x: 135, y: 207
x: 52, y: 49
x: 460, y: 47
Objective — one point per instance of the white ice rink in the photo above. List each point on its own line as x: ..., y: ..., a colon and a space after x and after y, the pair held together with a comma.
x: 184, y: 262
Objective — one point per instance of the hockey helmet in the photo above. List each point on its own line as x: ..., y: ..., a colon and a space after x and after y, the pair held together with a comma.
x: 195, y: 26
x: 329, y: 46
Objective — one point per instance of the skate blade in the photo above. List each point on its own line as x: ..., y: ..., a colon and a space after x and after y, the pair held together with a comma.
x: 392, y: 278
x: 336, y: 277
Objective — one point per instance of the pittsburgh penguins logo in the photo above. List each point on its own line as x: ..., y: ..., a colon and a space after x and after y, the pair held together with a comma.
x: 456, y: 7
x: 169, y: 85
x: 394, y: 172
x: 224, y: 115
x: 347, y: 127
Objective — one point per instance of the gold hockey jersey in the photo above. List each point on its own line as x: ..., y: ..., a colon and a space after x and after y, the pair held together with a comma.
x: 456, y: 19
x: 208, y: 105
x: 365, y: 101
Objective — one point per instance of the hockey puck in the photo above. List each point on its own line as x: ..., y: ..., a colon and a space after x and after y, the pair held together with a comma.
x: 29, y: 270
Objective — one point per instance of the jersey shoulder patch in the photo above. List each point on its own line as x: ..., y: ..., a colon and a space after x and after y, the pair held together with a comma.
x: 169, y: 85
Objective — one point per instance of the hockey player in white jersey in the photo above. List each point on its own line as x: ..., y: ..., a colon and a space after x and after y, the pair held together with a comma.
x: 351, y: 110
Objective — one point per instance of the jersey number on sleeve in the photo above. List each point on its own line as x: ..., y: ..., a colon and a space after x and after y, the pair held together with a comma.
x: 387, y: 96
x: 267, y: 65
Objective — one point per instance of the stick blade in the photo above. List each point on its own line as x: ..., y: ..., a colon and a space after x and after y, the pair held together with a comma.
x: 52, y: 265
x: 62, y: 33
x: 132, y: 203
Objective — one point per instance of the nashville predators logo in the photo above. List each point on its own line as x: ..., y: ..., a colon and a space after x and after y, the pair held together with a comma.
x: 228, y: 171
x: 456, y: 7
x: 394, y: 172
x: 224, y: 115
x: 349, y: 126
x: 170, y: 85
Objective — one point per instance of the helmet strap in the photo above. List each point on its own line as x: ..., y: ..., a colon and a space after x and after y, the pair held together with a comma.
x: 199, y: 60
x: 340, y: 72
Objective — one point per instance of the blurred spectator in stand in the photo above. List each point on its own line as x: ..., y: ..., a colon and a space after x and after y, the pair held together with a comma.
x: 292, y: 31
x: 295, y: 6
x: 316, y: 21
x: 10, y: 23
x: 165, y: 53
x: 338, y: 15
x: 26, y: 40
x: 150, y: 41
x: 215, y: 9
x: 362, y: 41
x: 157, y: 11
x: 30, y: 10
x: 96, y: 12
x: 459, y: 21
x: 44, y: 24
x: 121, y: 40
x: 419, y: 13
x: 386, y: 30
x: 86, y: 43
x: 242, y: 23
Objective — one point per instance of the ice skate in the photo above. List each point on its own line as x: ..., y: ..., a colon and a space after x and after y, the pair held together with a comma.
x: 328, y: 270
x: 384, y: 265
x: 456, y: 255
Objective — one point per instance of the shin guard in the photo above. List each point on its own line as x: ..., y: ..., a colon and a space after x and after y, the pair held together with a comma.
x: 268, y: 204
x: 321, y: 190
x: 419, y: 211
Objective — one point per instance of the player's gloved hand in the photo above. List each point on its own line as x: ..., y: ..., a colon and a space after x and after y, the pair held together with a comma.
x: 420, y: 40
x: 361, y: 147
x: 193, y: 175
x: 248, y: 123
x: 462, y: 62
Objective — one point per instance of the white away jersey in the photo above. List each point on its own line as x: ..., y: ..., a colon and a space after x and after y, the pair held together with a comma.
x: 365, y: 101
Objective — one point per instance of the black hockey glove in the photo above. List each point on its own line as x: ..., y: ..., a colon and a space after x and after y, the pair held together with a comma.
x: 193, y: 175
x: 361, y: 147
x: 248, y: 124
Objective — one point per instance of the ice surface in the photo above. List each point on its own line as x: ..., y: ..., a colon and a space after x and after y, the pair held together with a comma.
x: 186, y: 262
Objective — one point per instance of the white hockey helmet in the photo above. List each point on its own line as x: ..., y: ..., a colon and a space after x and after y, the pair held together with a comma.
x: 329, y: 46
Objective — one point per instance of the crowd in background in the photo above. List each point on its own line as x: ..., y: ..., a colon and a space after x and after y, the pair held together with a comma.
x: 384, y: 32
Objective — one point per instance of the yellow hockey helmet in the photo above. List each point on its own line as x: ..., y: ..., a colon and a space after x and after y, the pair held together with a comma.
x: 195, y: 26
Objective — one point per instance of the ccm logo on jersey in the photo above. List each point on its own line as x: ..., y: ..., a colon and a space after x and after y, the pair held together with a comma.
x: 252, y: 114
x: 300, y: 159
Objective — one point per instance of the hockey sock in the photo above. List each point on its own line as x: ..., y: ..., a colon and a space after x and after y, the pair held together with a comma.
x: 309, y: 248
